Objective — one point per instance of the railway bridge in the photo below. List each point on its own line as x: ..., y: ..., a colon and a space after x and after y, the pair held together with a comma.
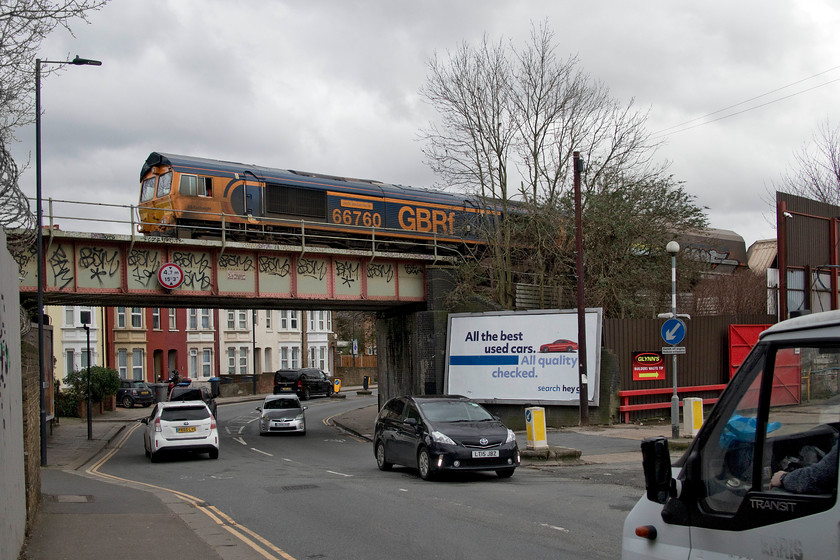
x: 97, y: 269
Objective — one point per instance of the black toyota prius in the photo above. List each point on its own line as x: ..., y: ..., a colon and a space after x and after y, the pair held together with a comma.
x: 443, y: 433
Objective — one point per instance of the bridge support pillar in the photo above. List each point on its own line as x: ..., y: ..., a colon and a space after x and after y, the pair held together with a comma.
x: 411, y: 344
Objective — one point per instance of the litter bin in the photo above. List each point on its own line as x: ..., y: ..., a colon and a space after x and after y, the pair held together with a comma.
x: 215, y: 386
x: 365, y: 382
x: 161, y: 391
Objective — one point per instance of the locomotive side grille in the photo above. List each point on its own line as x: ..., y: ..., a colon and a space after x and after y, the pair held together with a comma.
x: 291, y: 201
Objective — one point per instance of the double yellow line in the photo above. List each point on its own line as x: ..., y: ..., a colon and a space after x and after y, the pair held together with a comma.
x: 260, y: 545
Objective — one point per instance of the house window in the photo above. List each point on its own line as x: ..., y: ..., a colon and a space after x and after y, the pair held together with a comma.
x: 121, y: 317
x: 243, y: 320
x: 243, y: 360
x: 295, y: 357
x: 137, y: 364
x: 173, y: 322
x: 85, y: 359
x: 231, y: 353
x: 231, y: 319
x: 156, y: 318
x: 193, y: 319
x: 284, y: 357
x: 322, y: 321
x: 289, y: 320
x: 69, y: 362
x: 268, y: 321
x: 69, y: 317
x: 206, y: 362
x: 205, y: 319
x: 136, y: 317
x: 322, y: 357
x: 193, y: 365
x: 122, y: 363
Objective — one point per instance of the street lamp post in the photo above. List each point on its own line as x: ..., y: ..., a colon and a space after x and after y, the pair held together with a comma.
x: 40, y: 240
x: 673, y: 248
x: 84, y: 316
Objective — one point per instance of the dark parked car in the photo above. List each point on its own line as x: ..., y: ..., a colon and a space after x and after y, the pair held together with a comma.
x: 133, y: 391
x: 443, y: 432
x: 303, y: 382
x: 194, y: 392
x: 560, y: 345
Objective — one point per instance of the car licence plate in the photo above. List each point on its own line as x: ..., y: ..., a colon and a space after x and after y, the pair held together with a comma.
x: 185, y: 429
x: 485, y: 454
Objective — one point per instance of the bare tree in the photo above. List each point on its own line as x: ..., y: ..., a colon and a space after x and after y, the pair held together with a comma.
x: 744, y: 292
x: 23, y: 26
x: 816, y: 170
x: 508, y: 112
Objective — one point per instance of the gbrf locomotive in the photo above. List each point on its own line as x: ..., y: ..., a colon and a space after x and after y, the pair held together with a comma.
x: 190, y: 197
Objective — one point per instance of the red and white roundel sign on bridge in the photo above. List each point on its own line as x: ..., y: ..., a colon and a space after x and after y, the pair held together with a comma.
x: 170, y: 276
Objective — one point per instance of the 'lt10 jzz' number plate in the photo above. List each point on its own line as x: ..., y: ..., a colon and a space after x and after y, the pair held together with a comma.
x: 485, y: 454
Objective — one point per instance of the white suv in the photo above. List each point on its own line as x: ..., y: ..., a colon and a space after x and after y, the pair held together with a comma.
x: 182, y: 426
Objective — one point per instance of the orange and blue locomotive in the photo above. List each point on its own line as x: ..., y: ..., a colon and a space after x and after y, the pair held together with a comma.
x: 190, y: 197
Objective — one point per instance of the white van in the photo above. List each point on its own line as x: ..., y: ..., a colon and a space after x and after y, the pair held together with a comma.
x: 760, y: 479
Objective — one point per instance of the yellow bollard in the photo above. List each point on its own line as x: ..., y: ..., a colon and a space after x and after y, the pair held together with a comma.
x: 336, y: 385
x: 535, y: 427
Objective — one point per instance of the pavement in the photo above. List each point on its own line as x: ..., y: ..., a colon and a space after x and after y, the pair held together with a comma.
x: 87, y: 514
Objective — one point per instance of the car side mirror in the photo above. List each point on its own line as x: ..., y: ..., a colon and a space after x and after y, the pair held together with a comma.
x: 410, y: 421
x: 144, y: 420
x: 305, y: 407
x: 259, y: 408
x: 656, y: 464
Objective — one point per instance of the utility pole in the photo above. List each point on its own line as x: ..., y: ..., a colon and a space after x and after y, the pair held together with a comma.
x: 583, y: 382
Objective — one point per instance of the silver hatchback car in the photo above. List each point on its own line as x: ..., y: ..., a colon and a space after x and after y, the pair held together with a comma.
x: 282, y: 413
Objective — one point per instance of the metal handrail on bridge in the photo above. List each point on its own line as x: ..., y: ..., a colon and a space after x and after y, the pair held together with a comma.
x: 295, y: 232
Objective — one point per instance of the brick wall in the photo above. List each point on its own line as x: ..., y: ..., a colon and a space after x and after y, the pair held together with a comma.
x: 31, y: 422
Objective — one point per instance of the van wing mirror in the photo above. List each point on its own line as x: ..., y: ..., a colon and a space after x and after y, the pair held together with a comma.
x: 656, y: 463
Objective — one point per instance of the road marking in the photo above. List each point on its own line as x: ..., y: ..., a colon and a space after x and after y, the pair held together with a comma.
x: 262, y: 547
x: 340, y: 474
x: 561, y: 529
x: 240, y: 440
x: 263, y: 452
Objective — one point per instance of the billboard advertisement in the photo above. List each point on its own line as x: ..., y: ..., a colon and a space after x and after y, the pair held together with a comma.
x: 522, y: 357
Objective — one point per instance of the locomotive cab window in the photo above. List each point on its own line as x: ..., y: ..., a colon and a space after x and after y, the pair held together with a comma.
x: 164, y: 184
x: 193, y: 185
x: 147, y: 191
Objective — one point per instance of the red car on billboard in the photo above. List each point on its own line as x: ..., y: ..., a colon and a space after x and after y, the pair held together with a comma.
x: 560, y: 345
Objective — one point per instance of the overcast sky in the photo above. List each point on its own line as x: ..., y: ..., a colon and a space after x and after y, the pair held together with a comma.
x: 332, y: 86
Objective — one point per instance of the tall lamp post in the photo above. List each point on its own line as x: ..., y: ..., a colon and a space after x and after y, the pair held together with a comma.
x: 84, y: 317
x: 40, y: 243
x: 673, y: 248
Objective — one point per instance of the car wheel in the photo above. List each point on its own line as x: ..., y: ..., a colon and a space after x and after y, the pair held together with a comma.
x: 147, y: 405
x: 146, y: 451
x: 306, y: 394
x: 214, y: 453
x: 128, y: 402
x: 380, y: 457
x: 424, y: 464
x: 505, y: 473
x: 155, y: 457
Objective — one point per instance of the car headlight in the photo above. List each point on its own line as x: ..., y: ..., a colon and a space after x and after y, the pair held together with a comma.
x: 264, y: 417
x: 511, y: 436
x: 438, y: 437
x: 299, y: 417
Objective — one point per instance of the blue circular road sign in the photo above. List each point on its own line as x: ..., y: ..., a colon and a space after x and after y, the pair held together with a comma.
x: 673, y: 331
